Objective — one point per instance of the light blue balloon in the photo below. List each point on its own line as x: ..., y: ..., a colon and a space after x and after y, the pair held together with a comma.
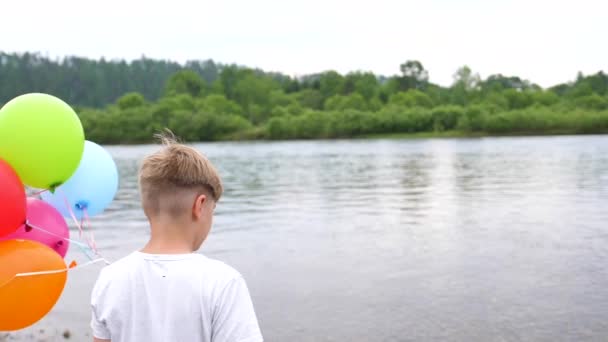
x: 92, y: 187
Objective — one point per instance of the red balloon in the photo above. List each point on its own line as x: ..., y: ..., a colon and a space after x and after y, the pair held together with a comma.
x: 12, y: 200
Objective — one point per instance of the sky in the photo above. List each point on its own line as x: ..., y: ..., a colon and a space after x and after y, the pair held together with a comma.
x: 546, y: 42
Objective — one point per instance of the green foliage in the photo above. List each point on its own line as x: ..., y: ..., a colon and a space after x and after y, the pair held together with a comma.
x: 278, y: 98
x: 518, y: 99
x: 473, y: 117
x: 131, y: 100
x: 179, y: 102
x: 580, y: 89
x: 499, y: 82
x: 219, y: 105
x: 545, y: 98
x: 497, y: 99
x: 540, y: 120
x: 280, y: 127
x: 310, y: 98
x: 593, y: 101
x: 252, y: 89
x: 413, y: 76
x: 331, y: 83
x: 411, y: 98
x: 466, y: 79
x: 120, y: 102
x: 185, y: 82
x: 363, y: 83
x: 400, y: 119
x: 446, y: 117
x: 375, y: 104
x: 341, y: 102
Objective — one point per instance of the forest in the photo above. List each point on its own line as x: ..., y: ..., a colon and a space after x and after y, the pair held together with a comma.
x: 122, y: 102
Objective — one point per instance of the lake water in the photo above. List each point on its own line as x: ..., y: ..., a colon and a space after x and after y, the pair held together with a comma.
x: 493, y: 239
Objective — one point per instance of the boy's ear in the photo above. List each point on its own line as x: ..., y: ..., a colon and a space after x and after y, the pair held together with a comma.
x: 197, y: 210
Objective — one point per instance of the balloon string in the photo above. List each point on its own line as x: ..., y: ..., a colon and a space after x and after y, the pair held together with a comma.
x: 78, y: 224
x: 38, y: 193
x: 91, y: 234
x: 29, y: 274
x: 77, y: 243
x: 91, y: 246
x: 84, y: 223
x: 84, y: 248
x: 71, y: 212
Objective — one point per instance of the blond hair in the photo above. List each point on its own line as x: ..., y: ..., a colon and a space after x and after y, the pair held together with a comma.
x: 175, y: 174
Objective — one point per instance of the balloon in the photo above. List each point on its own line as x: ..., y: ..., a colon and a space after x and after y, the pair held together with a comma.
x: 12, y: 200
x: 43, y: 216
x: 26, y: 299
x: 42, y: 138
x: 91, y: 188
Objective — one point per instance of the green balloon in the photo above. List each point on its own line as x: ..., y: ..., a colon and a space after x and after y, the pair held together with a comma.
x: 42, y: 138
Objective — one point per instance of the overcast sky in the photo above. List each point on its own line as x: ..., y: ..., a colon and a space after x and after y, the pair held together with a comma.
x: 545, y: 41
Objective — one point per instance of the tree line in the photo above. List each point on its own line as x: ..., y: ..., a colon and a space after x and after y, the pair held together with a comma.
x: 120, y: 102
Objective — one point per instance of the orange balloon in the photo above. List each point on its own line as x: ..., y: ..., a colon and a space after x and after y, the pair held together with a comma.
x: 24, y: 300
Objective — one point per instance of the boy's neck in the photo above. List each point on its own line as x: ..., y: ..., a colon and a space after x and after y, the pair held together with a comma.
x: 168, y: 239
x: 155, y: 248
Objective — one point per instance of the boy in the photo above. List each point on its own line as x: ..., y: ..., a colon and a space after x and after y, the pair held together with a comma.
x: 166, y: 292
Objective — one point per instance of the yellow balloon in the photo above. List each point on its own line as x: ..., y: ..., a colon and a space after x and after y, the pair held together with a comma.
x: 24, y: 300
x: 42, y: 138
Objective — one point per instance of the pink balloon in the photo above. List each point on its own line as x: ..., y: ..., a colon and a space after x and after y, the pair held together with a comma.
x: 42, y: 215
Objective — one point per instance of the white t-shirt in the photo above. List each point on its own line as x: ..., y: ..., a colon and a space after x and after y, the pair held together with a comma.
x: 181, y: 298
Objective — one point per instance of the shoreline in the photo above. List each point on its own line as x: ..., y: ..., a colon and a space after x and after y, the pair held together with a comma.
x: 453, y: 134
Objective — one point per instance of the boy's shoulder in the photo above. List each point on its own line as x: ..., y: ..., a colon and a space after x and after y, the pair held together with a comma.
x: 195, y: 264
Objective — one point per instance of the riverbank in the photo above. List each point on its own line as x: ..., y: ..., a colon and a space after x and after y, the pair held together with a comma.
x: 134, y: 127
x: 467, y: 135
x: 258, y: 135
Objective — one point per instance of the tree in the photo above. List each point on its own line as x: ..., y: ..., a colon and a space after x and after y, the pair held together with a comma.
x: 465, y: 83
x: 366, y: 84
x: 518, y: 99
x: 411, y: 98
x: 390, y: 87
x: 219, y: 105
x: 498, y: 82
x: 545, y: 97
x: 331, y: 83
x: 252, y: 92
x: 580, y: 89
x: 186, y: 82
x: 226, y: 83
x: 290, y: 85
x: 593, y: 102
x: 278, y: 98
x: 119, y: 101
x: 413, y: 75
x: 310, y: 98
x: 341, y: 102
x: 598, y: 82
x: 131, y: 100
x: 465, y: 78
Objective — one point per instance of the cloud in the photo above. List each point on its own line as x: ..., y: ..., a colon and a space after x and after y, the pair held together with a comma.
x: 545, y: 41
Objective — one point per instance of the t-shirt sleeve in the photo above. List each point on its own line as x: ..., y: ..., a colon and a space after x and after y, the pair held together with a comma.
x: 100, y: 330
x: 99, y: 327
x: 234, y: 319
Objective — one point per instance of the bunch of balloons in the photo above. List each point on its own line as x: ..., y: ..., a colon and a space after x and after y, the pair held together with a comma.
x: 42, y: 145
